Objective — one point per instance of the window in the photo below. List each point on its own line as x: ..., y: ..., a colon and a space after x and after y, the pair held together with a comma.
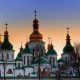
x: 7, y: 56
x: 10, y: 71
x: 15, y: 64
x: 27, y: 60
x: 53, y: 61
x: 50, y: 60
x: 24, y: 60
x: 18, y: 64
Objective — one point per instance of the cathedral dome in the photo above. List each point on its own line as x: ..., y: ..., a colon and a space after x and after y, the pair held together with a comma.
x: 51, y: 50
x: 68, y: 49
x: 43, y: 60
x: 26, y: 49
x: 6, y: 45
x: 36, y: 36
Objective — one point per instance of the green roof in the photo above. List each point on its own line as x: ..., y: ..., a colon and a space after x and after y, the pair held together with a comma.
x: 28, y: 66
x: 43, y: 60
x: 19, y: 54
x: 68, y: 49
x: 18, y: 59
x: 34, y: 73
x: 51, y: 52
x: 53, y: 66
x: 6, y: 45
x: 18, y: 67
x: 26, y: 50
x: 60, y: 60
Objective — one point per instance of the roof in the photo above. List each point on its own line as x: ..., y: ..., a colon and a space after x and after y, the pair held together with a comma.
x: 28, y: 66
x: 19, y: 54
x: 34, y: 73
x: 18, y: 67
x: 43, y: 60
x: 60, y: 60
x: 54, y: 66
x: 26, y: 50
x: 51, y: 52
x: 6, y: 45
x: 68, y: 49
x: 18, y: 59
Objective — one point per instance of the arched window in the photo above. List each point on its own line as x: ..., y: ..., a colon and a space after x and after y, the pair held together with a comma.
x: 27, y: 60
x: 24, y: 60
x: 7, y: 56
x: 10, y: 71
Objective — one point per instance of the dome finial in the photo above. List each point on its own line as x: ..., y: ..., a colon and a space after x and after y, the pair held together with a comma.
x: 51, y: 44
x: 6, y: 25
x: 35, y: 13
x: 26, y: 45
x: 67, y: 30
x: 21, y: 47
x: 21, y: 43
x: 68, y: 36
x: 27, y: 38
x: 49, y: 39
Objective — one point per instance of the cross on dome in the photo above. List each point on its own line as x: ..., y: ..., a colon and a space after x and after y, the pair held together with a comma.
x: 49, y: 39
x: 6, y: 25
x: 68, y: 30
x: 35, y: 13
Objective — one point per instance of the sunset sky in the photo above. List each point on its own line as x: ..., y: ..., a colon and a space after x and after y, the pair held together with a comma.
x: 53, y: 15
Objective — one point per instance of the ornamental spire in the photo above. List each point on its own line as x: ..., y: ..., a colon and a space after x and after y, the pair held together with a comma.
x: 49, y: 39
x: 35, y: 13
x: 21, y: 49
x: 68, y: 30
x: 68, y: 37
x: 35, y: 22
x: 6, y: 32
x: 51, y: 44
x: 6, y: 25
x: 48, y: 47
x: 26, y: 45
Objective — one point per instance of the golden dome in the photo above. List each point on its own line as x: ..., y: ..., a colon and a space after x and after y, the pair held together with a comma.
x: 36, y: 36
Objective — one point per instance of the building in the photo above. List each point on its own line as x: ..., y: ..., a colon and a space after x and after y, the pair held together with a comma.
x: 33, y: 60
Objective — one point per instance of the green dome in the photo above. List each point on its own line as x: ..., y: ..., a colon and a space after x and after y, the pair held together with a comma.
x: 68, y: 49
x: 18, y: 59
x: 26, y: 50
x: 6, y: 45
x: 19, y: 54
x: 43, y: 60
x: 51, y: 52
x: 60, y: 60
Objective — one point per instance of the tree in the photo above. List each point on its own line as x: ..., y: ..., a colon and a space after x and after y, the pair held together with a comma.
x: 77, y: 48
